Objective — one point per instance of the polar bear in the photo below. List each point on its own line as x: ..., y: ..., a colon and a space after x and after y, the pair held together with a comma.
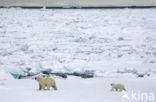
x: 117, y: 87
x: 46, y: 82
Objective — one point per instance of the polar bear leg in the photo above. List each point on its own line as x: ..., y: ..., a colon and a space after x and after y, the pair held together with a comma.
x: 54, y: 86
x: 124, y: 89
x: 121, y: 89
x: 43, y: 87
x: 116, y: 89
x: 112, y: 89
x: 40, y: 87
x: 48, y: 87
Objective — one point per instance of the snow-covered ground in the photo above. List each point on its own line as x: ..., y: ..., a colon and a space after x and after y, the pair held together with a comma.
x: 78, y: 90
x: 116, y: 45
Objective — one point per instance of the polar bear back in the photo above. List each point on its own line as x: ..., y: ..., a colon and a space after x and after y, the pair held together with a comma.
x: 46, y: 81
x: 49, y: 81
x: 118, y: 86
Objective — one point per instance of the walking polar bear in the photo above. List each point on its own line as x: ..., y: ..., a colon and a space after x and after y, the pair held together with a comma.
x: 116, y: 87
x: 46, y: 83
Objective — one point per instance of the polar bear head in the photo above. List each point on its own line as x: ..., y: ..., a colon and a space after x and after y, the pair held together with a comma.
x: 112, y: 84
x: 37, y: 78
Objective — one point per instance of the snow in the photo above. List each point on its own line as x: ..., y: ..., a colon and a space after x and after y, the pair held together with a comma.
x: 75, y: 89
x: 117, y: 45
x: 71, y: 40
x: 3, y: 77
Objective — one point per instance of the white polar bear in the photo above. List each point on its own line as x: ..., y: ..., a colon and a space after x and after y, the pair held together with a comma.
x: 117, y: 87
x: 46, y: 82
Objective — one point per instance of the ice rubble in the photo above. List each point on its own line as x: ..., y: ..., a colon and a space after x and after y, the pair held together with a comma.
x: 68, y: 41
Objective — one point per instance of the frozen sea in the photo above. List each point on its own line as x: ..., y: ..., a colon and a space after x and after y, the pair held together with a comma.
x: 114, y: 44
x: 103, y: 41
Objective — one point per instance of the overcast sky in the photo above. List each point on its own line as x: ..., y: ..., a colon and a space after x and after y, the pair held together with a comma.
x: 78, y: 3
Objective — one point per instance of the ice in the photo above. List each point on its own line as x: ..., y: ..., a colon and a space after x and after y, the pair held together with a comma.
x: 4, y: 75
x: 116, y: 45
x: 69, y: 40
x: 77, y: 90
